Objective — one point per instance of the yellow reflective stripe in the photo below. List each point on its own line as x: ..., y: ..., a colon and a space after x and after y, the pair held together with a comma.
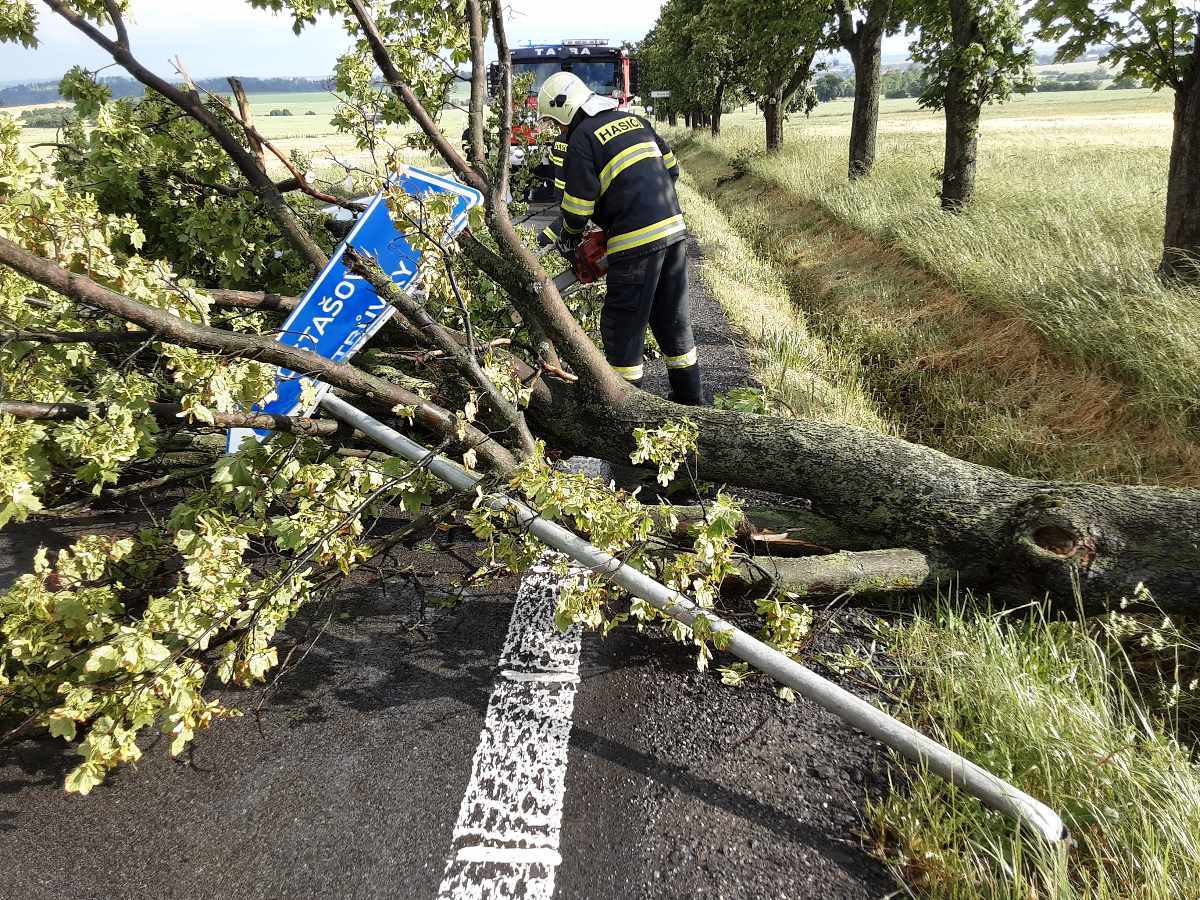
x: 559, y: 184
x: 557, y: 160
x: 630, y: 373
x: 624, y: 160
x: 625, y: 164
x: 549, y: 232
x: 658, y: 230
x: 569, y: 230
x: 669, y: 159
x: 577, y: 206
x: 683, y: 360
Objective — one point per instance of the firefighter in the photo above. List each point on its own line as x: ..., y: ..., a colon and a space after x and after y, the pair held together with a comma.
x: 618, y: 173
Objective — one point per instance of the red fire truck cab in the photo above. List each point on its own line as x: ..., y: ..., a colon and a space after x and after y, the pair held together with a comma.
x: 606, y: 69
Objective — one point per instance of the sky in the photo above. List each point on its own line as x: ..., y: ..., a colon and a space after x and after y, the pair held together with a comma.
x: 216, y: 38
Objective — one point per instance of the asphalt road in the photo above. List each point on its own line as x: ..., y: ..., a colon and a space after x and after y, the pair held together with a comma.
x: 347, y: 781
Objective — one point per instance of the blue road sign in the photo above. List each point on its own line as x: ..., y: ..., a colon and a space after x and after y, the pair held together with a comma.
x: 341, y: 311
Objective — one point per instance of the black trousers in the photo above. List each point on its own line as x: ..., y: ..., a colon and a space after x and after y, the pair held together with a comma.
x: 652, y: 290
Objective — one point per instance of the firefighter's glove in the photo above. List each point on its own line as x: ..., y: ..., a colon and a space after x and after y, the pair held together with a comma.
x: 567, y: 244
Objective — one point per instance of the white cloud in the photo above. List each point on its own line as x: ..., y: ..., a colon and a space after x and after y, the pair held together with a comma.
x: 547, y: 21
x: 225, y: 37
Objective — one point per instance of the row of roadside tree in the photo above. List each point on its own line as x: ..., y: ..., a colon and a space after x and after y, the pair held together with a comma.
x: 971, y: 53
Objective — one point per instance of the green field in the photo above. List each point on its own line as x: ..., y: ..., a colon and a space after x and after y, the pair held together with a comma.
x: 310, y: 134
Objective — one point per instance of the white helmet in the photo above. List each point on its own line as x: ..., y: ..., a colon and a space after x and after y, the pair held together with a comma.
x: 561, y: 96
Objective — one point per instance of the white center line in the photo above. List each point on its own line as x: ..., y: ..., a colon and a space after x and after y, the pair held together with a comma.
x: 506, y: 840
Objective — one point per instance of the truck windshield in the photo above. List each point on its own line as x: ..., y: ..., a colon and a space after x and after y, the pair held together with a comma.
x: 600, y: 76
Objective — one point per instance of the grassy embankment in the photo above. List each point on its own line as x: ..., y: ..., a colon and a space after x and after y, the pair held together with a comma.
x: 1029, y: 334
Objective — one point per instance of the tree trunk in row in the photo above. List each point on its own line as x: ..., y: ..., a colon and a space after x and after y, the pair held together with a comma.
x: 1181, y: 240
x: 1018, y: 538
x: 718, y: 100
x: 962, y: 148
x: 962, y: 116
x: 773, y: 113
x: 865, y: 46
x: 780, y: 95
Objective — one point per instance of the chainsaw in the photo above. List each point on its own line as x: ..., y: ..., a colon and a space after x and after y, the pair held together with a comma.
x: 590, y: 263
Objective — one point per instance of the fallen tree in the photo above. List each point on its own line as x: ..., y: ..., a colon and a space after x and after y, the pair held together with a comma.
x: 492, y: 362
x: 1019, y: 538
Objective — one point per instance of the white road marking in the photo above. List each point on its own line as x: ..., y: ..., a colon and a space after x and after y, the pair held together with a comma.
x: 506, y: 840
x: 539, y: 676
x: 543, y: 855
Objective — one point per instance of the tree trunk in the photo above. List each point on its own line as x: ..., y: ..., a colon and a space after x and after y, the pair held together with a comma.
x: 842, y: 574
x: 773, y: 113
x: 866, y: 53
x: 1181, y: 241
x: 1018, y: 538
x: 962, y: 115
x: 962, y: 146
x: 672, y: 118
x: 697, y: 118
x: 687, y: 119
x: 718, y: 99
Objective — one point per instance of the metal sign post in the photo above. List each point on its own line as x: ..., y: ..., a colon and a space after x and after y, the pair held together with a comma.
x: 341, y: 311
x: 993, y: 791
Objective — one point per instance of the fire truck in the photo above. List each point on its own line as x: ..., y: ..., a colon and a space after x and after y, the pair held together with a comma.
x: 605, y: 68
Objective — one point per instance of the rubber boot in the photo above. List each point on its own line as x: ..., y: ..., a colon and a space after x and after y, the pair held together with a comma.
x: 686, y: 387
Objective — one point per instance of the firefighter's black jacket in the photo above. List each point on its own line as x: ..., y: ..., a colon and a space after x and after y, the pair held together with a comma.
x: 617, y: 171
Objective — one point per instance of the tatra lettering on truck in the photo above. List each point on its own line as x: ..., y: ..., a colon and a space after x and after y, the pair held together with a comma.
x: 606, y: 68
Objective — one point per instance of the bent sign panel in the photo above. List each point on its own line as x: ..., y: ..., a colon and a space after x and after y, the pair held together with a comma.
x: 341, y: 311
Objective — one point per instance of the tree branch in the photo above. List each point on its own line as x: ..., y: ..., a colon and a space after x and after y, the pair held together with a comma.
x: 191, y: 104
x: 247, y: 119
x: 802, y: 74
x: 500, y: 179
x: 525, y: 300
x: 76, y: 337
x: 114, y: 13
x: 868, y: 572
x: 846, y: 34
x: 463, y: 357
x: 226, y: 298
x: 298, y: 181
x: 248, y: 346
x: 382, y: 59
x: 173, y: 414
x: 478, y: 86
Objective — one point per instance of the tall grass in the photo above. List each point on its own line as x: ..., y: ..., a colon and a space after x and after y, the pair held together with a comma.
x: 1042, y: 704
x: 802, y: 375
x: 1063, y: 233
x: 947, y: 370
